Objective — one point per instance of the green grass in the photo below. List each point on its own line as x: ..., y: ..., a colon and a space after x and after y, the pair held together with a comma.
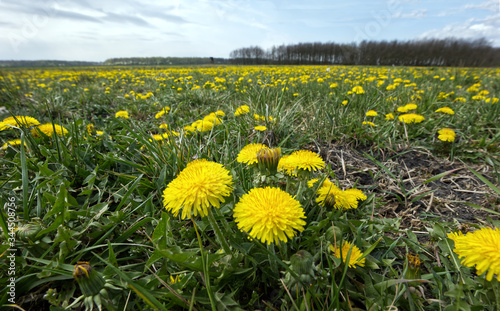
x: 84, y: 197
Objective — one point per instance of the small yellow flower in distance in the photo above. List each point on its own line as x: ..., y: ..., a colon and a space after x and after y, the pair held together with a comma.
x: 354, y: 258
x: 242, y: 110
x: 344, y: 102
x: 358, y: 89
x: 407, y: 107
x: 248, y: 154
x: 389, y: 116
x: 15, y: 142
x: 320, y: 80
x: 260, y: 128
x: 446, y: 110
x: 371, y: 113
x: 310, y: 183
x: 369, y: 123
x: 122, y: 114
x: 334, y: 85
x: 162, y: 112
x: 200, y: 185
x: 269, y: 214
x: 411, y: 118
x: 481, y: 249
x: 49, y: 129
x: 446, y: 135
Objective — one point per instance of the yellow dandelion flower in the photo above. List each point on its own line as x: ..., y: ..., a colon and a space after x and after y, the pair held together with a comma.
x: 369, y: 123
x: 301, y: 160
x: 310, y: 183
x: 242, y: 110
x: 354, y: 258
x: 480, y: 248
x: 197, y: 187
x: 446, y: 135
x: 411, y: 118
x: 15, y: 142
x: 260, y: 128
x: 446, y: 110
x: 358, y: 89
x: 407, y: 107
x: 220, y: 113
x: 249, y: 153
x: 331, y: 195
x: 49, y: 129
x: 345, y: 102
x: 162, y: 112
x: 269, y: 214
x: 371, y: 113
x: 122, y: 114
x: 18, y: 121
x: 389, y: 116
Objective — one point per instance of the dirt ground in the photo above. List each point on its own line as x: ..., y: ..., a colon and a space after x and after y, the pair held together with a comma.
x: 401, y: 190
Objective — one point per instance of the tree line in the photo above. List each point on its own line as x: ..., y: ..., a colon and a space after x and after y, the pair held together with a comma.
x: 430, y: 52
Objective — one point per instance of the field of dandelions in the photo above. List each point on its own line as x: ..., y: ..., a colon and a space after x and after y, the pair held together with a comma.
x: 250, y: 188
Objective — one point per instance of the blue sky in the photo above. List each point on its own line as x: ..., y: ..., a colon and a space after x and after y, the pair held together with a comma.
x: 94, y: 30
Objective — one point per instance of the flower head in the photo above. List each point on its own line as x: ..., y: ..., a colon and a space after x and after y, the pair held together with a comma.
x: 268, y: 159
x: 371, y: 113
x: 304, y: 160
x: 407, y: 107
x: 446, y: 135
x: 242, y: 110
x: 197, y: 187
x: 389, y: 116
x: 122, y: 114
x: 480, y: 248
x: 411, y: 118
x: 269, y: 214
x: 49, y: 129
x: 369, y: 123
x: 18, y: 121
x: 446, y: 110
x: 331, y: 195
x: 260, y: 128
x: 14, y: 142
x: 354, y: 258
x: 358, y: 89
x: 162, y: 112
x: 249, y: 153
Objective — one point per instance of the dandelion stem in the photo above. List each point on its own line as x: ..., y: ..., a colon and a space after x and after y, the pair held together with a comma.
x: 218, y: 233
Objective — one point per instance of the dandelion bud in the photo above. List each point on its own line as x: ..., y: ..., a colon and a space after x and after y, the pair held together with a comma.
x: 268, y: 160
x: 90, y: 281
x: 413, y: 267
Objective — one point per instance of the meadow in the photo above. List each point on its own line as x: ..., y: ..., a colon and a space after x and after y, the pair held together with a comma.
x: 250, y: 188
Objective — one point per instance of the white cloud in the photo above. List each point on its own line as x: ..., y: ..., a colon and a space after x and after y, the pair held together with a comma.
x: 412, y: 15
x: 474, y: 28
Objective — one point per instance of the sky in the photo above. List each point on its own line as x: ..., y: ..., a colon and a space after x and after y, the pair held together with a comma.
x: 95, y: 30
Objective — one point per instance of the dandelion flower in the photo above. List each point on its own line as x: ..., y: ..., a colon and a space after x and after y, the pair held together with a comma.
x: 242, y: 110
x: 310, y: 183
x: 260, y: 128
x: 269, y: 214
x: 301, y: 160
x: 197, y: 187
x: 162, y: 112
x: 389, y: 116
x: 49, y: 129
x: 331, y: 195
x: 411, y: 118
x: 15, y: 142
x: 122, y: 114
x: 18, y: 121
x: 446, y: 110
x: 446, y: 135
x: 407, y: 107
x: 480, y: 248
x: 358, y: 89
x: 369, y: 123
x: 371, y: 113
x: 249, y: 153
x: 354, y: 258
